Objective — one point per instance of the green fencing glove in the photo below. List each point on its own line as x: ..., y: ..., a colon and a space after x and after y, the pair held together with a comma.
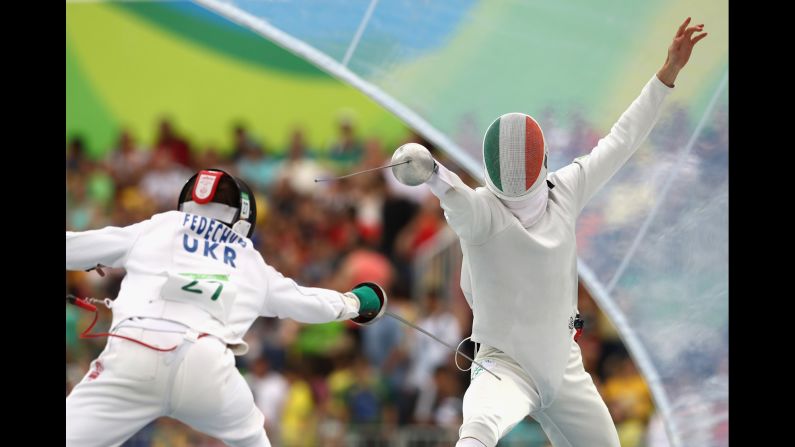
x: 372, y: 302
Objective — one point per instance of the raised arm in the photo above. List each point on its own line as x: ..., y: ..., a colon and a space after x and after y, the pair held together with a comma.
x: 590, y: 172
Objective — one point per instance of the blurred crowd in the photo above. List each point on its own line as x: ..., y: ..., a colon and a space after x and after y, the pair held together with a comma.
x: 334, y: 384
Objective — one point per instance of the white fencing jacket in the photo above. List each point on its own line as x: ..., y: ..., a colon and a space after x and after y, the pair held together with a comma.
x: 522, y: 282
x: 198, y: 272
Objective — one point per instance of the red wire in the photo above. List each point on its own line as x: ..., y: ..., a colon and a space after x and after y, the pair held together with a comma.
x: 86, y: 334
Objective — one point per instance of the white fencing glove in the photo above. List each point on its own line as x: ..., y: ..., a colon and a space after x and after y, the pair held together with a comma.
x: 420, y: 164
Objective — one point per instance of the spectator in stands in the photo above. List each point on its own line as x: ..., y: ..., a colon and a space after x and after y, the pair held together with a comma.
x: 427, y: 354
x: 168, y: 141
x: 347, y: 150
x: 270, y: 393
x: 164, y: 180
x: 76, y: 157
x: 127, y: 160
x: 299, y: 170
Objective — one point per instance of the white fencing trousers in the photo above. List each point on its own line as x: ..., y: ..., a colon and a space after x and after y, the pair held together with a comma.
x: 130, y: 385
x: 576, y: 417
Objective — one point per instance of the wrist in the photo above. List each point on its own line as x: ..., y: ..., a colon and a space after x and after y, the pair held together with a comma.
x: 667, y: 74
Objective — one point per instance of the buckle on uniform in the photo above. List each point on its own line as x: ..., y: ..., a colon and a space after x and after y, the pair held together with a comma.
x: 577, y: 324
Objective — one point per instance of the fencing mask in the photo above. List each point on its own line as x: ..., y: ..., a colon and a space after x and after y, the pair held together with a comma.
x: 515, y: 155
x: 214, y: 193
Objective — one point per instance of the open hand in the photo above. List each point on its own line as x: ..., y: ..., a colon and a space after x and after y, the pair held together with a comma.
x: 680, y: 50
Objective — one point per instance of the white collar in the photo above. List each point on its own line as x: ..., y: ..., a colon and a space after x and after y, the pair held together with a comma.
x: 530, y: 209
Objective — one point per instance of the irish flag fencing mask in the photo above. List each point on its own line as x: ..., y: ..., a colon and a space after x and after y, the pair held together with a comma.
x: 515, y: 155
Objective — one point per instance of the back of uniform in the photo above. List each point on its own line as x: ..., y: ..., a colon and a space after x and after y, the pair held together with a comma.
x: 181, y: 267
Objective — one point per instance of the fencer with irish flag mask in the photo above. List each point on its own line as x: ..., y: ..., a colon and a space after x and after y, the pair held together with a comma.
x: 194, y: 286
x: 519, y: 267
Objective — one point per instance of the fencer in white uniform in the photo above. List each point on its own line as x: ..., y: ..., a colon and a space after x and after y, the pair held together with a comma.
x: 519, y: 268
x: 194, y: 283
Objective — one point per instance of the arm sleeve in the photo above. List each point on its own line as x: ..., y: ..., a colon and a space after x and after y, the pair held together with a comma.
x: 589, y: 173
x: 286, y: 299
x: 108, y: 246
x: 466, y: 211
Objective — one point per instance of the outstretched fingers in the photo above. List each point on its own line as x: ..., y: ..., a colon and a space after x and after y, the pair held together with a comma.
x: 682, y: 27
x: 697, y: 38
x: 689, y: 31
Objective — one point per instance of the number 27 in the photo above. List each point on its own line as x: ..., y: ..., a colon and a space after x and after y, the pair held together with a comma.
x: 216, y: 294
